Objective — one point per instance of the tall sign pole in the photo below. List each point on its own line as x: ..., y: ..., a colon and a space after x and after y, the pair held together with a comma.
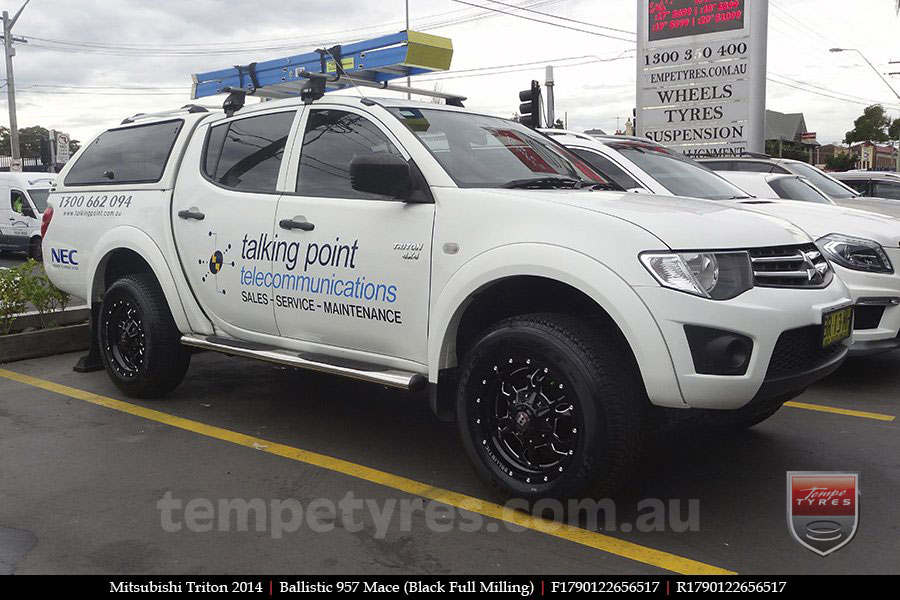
x: 10, y: 51
x: 701, y: 75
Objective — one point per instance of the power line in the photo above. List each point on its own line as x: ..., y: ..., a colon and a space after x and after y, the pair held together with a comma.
x: 542, y: 22
x: 796, y: 87
x: 453, y: 75
x: 812, y: 85
x: 537, y: 12
x: 223, y: 48
x: 546, y: 61
x: 461, y: 74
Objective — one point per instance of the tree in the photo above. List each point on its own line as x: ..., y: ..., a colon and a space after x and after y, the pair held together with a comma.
x: 872, y: 126
x: 787, y: 149
x: 894, y: 130
x: 30, y: 141
x: 841, y: 162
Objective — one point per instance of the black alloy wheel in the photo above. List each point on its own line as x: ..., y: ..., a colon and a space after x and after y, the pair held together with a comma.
x: 527, y: 419
x: 124, y: 338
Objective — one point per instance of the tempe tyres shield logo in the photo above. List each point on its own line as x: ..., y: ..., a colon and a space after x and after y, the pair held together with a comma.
x: 823, y: 509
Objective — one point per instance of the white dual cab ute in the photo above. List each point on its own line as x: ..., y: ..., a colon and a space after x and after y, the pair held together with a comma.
x: 862, y: 246
x: 421, y: 245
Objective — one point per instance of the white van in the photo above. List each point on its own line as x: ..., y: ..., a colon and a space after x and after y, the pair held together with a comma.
x: 23, y: 198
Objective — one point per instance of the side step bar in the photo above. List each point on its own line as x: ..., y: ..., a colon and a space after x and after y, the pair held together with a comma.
x: 405, y: 380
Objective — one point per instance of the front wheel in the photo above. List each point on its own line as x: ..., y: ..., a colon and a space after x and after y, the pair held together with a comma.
x: 139, y: 342
x: 548, y: 408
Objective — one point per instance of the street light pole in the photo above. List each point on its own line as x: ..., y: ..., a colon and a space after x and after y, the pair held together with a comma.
x: 886, y: 82
x: 868, y: 62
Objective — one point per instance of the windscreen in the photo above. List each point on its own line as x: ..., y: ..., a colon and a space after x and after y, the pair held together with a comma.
x: 483, y: 151
x: 794, y: 188
x: 39, y: 198
x: 678, y: 174
x: 822, y: 181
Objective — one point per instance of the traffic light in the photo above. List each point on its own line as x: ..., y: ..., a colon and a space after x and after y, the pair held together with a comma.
x: 530, y: 109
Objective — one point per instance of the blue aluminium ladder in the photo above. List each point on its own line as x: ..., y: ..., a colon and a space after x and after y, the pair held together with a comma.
x: 371, y: 63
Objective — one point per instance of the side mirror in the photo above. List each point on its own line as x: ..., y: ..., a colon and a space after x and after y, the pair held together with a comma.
x: 382, y: 174
x: 27, y: 212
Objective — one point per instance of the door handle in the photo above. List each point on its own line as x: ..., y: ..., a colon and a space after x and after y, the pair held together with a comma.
x: 191, y: 213
x: 294, y: 223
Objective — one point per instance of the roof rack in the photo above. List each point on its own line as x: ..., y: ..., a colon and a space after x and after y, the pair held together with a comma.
x: 370, y: 63
x: 187, y: 108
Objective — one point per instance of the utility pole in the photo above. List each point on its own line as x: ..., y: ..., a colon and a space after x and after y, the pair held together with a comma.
x: 886, y: 82
x: 10, y: 80
x: 408, y: 79
x: 551, y: 108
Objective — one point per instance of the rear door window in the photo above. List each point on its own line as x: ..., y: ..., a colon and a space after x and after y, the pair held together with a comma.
x: 887, y: 189
x: 128, y: 155
x: 246, y: 154
x: 860, y: 185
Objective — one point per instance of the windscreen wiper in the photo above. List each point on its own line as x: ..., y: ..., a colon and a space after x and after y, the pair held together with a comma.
x: 606, y: 187
x: 546, y: 182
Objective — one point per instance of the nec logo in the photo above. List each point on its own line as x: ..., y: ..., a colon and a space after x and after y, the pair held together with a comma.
x: 64, y: 257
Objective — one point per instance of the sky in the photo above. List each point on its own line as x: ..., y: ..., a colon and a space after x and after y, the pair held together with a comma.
x: 89, y: 64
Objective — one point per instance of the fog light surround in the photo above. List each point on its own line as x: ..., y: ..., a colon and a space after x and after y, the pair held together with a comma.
x: 718, y: 352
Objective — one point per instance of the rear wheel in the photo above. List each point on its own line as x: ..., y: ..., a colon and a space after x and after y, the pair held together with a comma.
x: 139, y: 342
x: 34, y: 249
x: 548, y: 408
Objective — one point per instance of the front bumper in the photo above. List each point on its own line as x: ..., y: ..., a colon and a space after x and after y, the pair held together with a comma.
x: 876, y: 328
x: 763, y: 315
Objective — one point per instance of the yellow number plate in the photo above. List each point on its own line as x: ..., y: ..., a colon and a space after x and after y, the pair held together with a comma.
x: 836, y: 326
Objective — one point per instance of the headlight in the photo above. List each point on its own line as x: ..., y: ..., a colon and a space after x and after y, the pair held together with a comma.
x: 715, y: 275
x: 856, y: 253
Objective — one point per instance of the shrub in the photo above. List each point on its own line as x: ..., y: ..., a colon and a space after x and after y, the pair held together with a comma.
x: 40, y: 292
x: 12, y: 298
x: 28, y: 284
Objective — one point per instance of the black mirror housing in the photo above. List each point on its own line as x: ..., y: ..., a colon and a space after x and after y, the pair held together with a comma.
x: 382, y: 174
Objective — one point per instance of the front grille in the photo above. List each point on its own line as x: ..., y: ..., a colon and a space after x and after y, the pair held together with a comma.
x: 790, y: 267
x: 867, y: 317
x: 800, y: 350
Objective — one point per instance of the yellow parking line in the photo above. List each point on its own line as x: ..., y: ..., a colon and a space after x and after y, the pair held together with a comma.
x: 591, y: 539
x: 841, y: 411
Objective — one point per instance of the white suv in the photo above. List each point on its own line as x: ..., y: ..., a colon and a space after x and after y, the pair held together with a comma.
x: 419, y: 245
x: 863, y: 246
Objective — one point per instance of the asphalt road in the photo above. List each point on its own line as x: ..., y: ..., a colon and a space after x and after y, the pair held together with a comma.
x: 84, y: 468
x: 11, y: 259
